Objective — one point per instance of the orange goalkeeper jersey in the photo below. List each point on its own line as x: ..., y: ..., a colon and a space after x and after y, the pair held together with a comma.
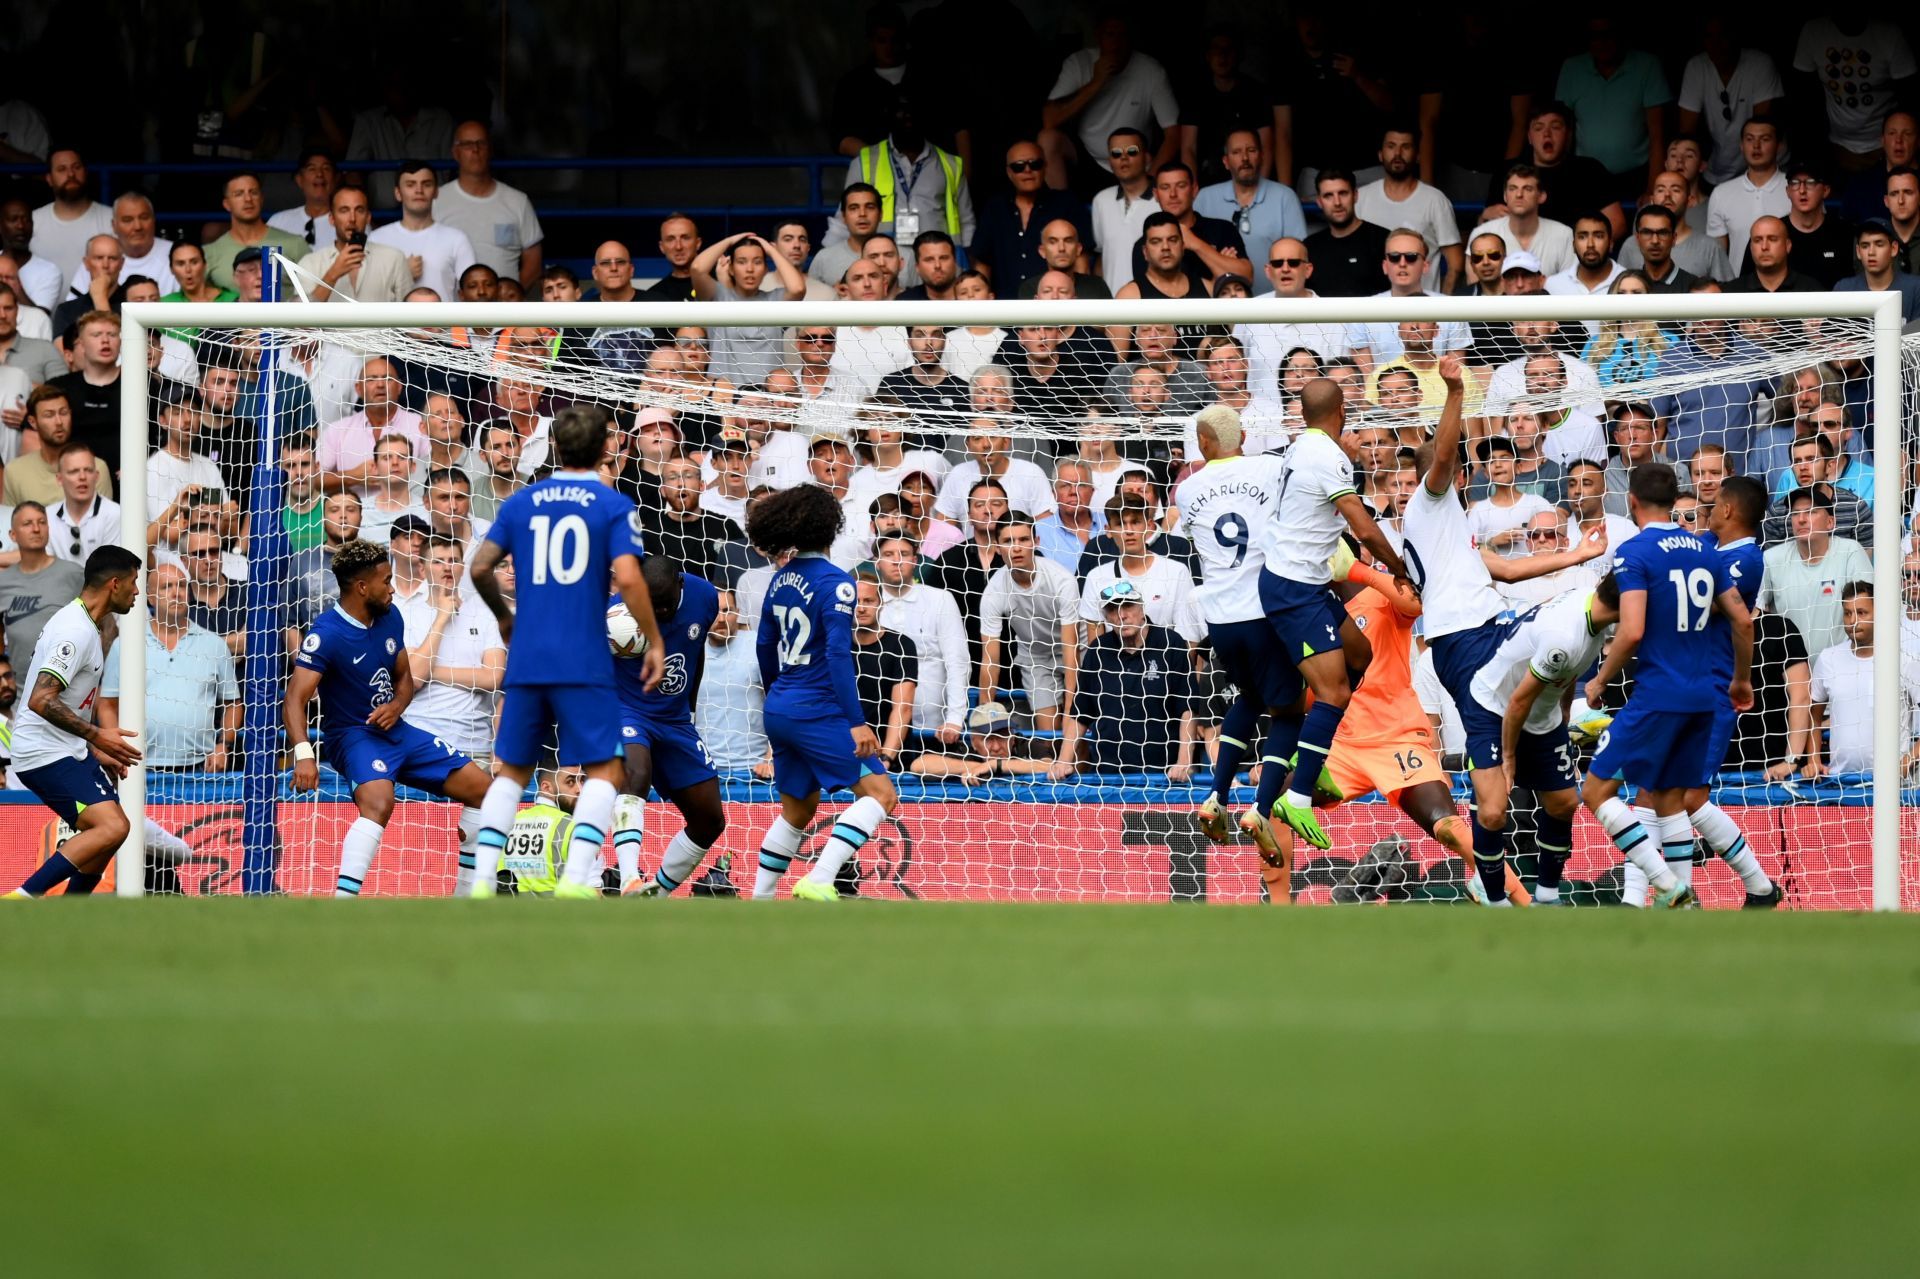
x: 1385, y: 710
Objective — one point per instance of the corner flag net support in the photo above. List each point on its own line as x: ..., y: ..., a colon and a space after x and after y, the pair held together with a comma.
x: 1113, y: 383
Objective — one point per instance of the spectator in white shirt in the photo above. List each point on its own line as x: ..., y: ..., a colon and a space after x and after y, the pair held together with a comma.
x: 141, y: 251
x: 174, y: 471
x: 1031, y: 603
x: 352, y: 268
x: 1759, y: 192
x: 437, y: 255
x: 62, y: 226
x: 85, y: 519
x: 992, y: 458
x: 316, y: 179
x: 727, y: 495
x: 1163, y: 581
x: 1118, y: 212
x: 497, y: 219
x: 1100, y: 89
x: 1843, y: 692
x: 1401, y: 199
x: 1526, y: 229
x: 1593, y: 270
x: 930, y: 618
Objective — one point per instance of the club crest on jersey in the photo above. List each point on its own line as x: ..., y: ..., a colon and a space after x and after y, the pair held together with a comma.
x: 634, y: 523
x: 311, y: 644
x: 391, y: 646
x: 693, y: 631
x: 379, y: 765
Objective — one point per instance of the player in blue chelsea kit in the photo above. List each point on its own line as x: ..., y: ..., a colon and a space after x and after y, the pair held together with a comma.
x: 1671, y: 581
x: 355, y: 658
x: 568, y: 536
x: 662, y: 748
x: 814, y: 722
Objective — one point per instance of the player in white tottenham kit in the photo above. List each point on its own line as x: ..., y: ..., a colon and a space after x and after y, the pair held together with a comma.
x: 1466, y: 620
x: 58, y: 751
x: 1519, y: 703
x: 1317, y: 504
x: 1223, y: 507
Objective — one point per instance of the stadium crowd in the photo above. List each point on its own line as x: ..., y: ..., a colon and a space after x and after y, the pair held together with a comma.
x: 1027, y: 590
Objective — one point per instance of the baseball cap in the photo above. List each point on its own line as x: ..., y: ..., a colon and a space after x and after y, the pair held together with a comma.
x: 1485, y: 447
x: 1121, y: 592
x: 1522, y: 261
x: 731, y: 440
x: 246, y: 255
x: 410, y: 523
x: 648, y: 416
x: 990, y: 717
x: 1806, y: 168
x: 169, y: 392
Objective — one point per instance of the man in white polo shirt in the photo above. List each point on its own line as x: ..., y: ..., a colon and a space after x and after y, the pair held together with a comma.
x: 436, y: 254
x: 456, y: 653
x: 1761, y: 191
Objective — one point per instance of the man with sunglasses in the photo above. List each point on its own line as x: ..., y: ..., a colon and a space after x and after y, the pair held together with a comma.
x: 316, y: 180
x: 1523, y: 229
x: 1120, y: 212
x: 1006, y: 242
x: 1260, y: 209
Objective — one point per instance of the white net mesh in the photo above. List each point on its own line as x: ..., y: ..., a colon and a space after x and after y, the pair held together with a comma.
x: 422, y: 433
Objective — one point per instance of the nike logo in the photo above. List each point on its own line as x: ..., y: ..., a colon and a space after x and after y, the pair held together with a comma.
x: 358, y: 660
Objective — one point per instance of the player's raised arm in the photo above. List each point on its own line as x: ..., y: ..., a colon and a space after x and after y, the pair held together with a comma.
x: 1501, y: 569
x: 1446, y: 435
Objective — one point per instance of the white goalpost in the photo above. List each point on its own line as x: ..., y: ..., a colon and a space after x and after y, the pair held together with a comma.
x: 1085, y: 836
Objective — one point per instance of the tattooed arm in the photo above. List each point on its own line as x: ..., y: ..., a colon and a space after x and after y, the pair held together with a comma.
x: 114, y: 748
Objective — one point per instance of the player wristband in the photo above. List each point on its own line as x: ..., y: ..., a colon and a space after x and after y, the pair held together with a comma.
x: 303, y: 750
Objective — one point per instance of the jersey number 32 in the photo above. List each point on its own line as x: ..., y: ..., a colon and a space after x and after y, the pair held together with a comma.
x: 796, y: 628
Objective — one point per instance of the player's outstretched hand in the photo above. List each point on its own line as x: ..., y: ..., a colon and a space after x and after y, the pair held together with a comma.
x: 1453, y: 371
x: 306, y: 775
x: 115, y: 748
x: 865, y: 743
x: 1741, y: 691
x: 653, y: 668
x: 385, y: 716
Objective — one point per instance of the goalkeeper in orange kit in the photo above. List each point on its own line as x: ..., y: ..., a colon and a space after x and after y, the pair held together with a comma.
x: 1385, y: 741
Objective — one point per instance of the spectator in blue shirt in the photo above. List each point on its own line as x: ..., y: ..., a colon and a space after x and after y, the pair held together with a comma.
x: 1063, y: 535
x: 1714, y: 408
x: 1133, y: 711
x: 1259, y: 208
x: 1879, y: 269
x: 193, y: 699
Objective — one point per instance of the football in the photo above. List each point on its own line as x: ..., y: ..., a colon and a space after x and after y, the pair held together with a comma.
x: 623, y: 633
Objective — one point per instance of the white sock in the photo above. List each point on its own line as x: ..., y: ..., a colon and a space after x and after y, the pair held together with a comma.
x: 1546, y: 895
x: 470, y: 823
x: 678, y: 861
x: 356, y: 855
x: 1676, y: 837
x: 1639, y: 844
x: 1634, y: 891
x: 497, y: 812
x: 1724, y: 838
x: 777, y: 850
x: 629, y: 828
x: 160, y: 839
x: 592, y: 816
x: 854, y: 828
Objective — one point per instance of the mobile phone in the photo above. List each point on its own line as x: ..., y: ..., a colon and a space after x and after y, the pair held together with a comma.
x: 354, y: 237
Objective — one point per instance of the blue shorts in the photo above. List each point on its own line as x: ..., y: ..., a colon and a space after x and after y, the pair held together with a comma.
x: 679, y: 757
x: 1249, y: 658
x: 815, y: 754
x: 588, y: 720
x: 404, y: 754
x: 1544, y: 761
x: 1306, y: 619
x: 1657, y: 749
x: 1458, y: 657
x: 69, y: 786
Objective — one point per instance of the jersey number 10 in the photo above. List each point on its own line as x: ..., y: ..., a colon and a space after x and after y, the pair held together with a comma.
x: 559, y: 549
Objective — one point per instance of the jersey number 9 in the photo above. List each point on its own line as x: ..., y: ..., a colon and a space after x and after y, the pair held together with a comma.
x: 1231, y: 532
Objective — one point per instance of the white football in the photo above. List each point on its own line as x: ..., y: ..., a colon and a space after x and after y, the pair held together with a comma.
x: 623, y: 633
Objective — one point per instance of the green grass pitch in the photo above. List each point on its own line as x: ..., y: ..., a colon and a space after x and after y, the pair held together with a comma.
x: 298, y: 1088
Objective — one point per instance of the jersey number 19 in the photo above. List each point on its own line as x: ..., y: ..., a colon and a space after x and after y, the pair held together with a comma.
x: 1693, y: 589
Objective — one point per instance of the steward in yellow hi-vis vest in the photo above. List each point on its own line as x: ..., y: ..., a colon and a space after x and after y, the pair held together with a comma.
x: 536, y: 851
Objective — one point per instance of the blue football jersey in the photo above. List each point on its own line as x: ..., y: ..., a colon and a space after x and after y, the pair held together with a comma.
x: 683, y: 638
x: 563, y: 535
x: 1682, y: 574
x: 1745, y: 563
x: 806, y: 642
x: 355, y: 662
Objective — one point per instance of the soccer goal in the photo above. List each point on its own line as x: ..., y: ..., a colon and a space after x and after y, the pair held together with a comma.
x: 1026, y: 772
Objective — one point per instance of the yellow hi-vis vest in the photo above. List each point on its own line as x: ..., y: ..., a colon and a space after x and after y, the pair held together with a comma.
x: 536, y: 851
x: 876, y: 168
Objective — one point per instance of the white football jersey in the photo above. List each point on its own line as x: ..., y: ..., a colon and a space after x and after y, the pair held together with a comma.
x: 69, y: 649
x: 1299, y: 541
x: 1557, y: 643
x: 1223, y: 506
x: 1456, y: 591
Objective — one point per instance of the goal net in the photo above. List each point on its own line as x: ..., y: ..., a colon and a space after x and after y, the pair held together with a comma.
x: 1041, y: 750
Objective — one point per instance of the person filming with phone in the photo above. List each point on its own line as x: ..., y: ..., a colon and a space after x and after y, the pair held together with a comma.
x: 352, y: 270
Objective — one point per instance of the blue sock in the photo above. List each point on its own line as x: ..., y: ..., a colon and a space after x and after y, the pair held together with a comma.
x: 1316, y: 741
x: 1236, y: 730
x: 81, y: 884
x: 1489, y: 857
x: 53, y: 872
x: 1283, y: 738
x: 1554, y: 836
